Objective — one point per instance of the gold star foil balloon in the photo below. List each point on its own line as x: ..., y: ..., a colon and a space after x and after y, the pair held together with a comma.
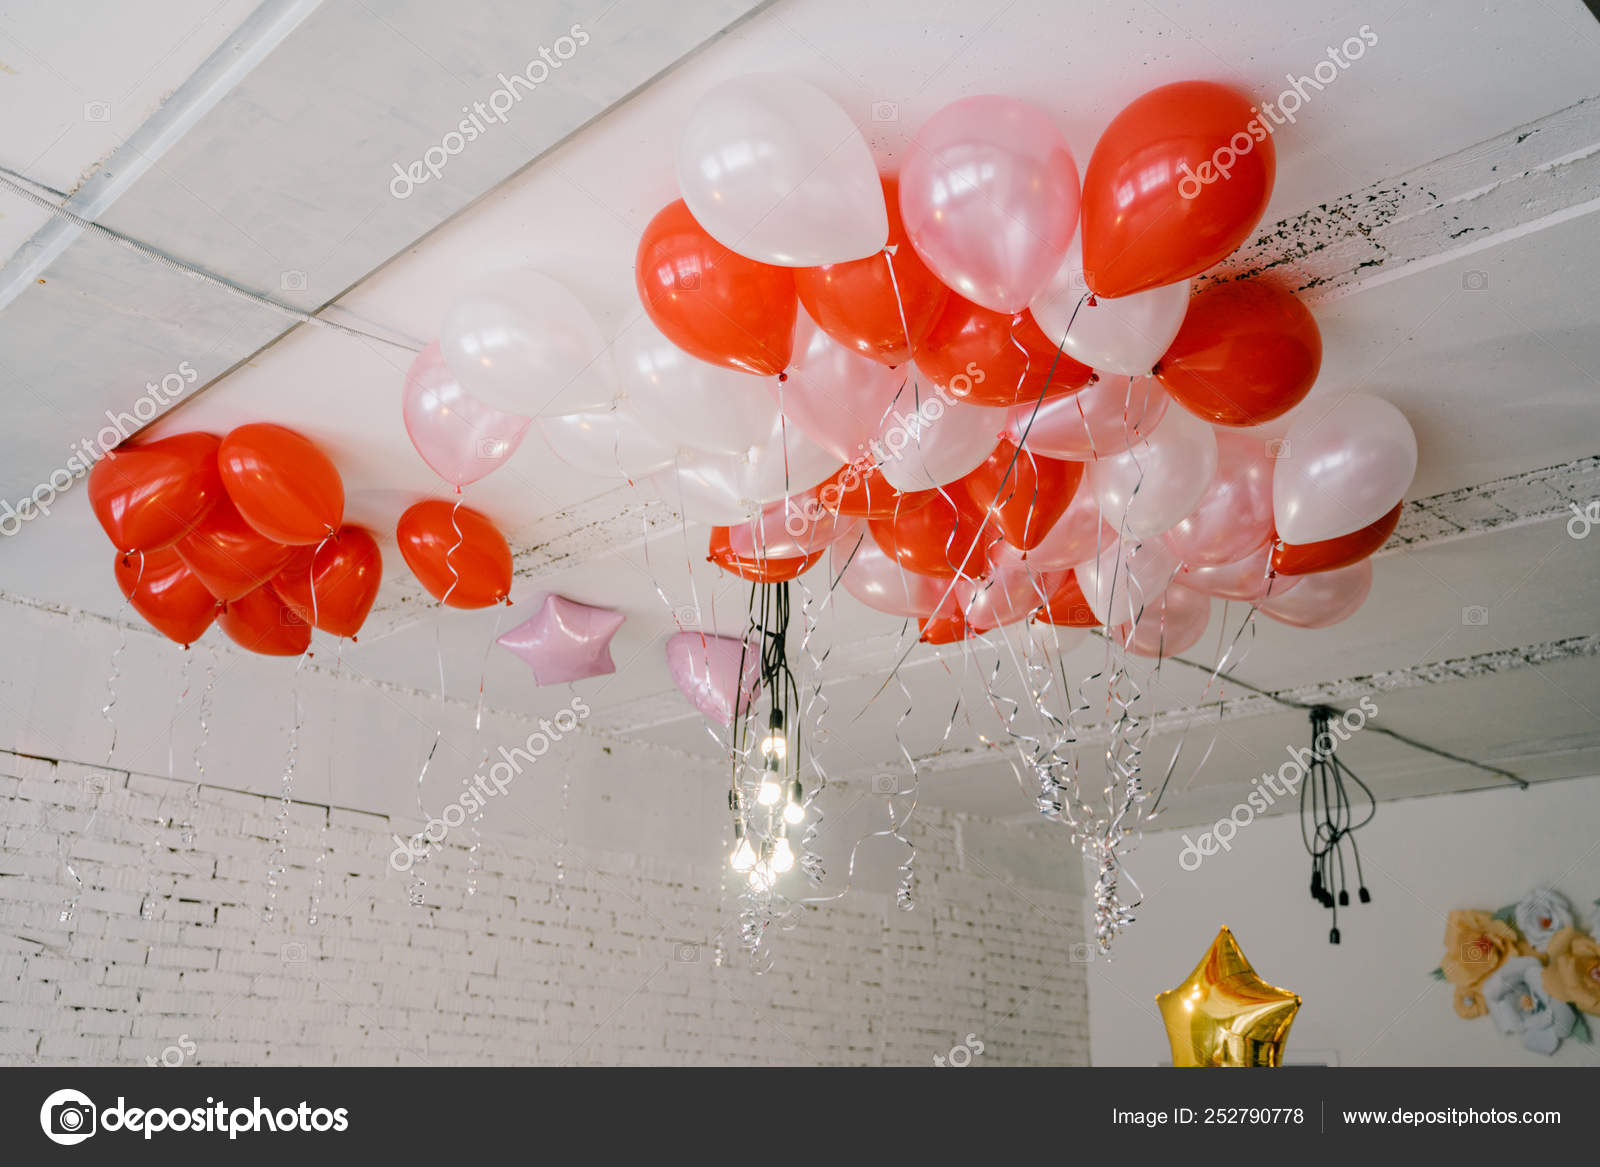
x: 1225, y: 1015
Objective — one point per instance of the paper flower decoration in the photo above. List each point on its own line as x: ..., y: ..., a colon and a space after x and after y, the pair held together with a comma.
x: 1573, y: 974
x: 565, y: 640
x: 707, y: 671
x: 1475, y: 945
x: 1520, y: 1005
x: 1541, y: 914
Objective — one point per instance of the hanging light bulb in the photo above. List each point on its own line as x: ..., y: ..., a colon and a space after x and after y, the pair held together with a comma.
x: 794, y: 810
x: 782, y: 856
x: 744, y: 855
x: 775, y: 745
x: 761, y: 876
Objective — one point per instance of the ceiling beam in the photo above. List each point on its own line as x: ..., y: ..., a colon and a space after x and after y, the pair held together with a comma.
x: 1523, y: 181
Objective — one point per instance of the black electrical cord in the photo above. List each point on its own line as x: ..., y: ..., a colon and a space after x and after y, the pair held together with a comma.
x: 1327, y: 820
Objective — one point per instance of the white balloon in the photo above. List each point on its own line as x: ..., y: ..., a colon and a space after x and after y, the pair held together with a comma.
x: 774, y: 170
x: 1341, y: 468
x: 609, y: 442
x: 701, y: 491
x: 1156, y: 483
x: 926, y: 445
x: 688, y: 401
x: 520, y: 342
x: 1125, y: 579
x: 786, y: 463
x: 1126, y: 334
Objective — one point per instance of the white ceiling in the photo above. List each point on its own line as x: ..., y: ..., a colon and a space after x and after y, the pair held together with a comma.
x: 1497, y: 382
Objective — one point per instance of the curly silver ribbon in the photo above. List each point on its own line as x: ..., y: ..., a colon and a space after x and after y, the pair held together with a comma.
x: 277, y: 863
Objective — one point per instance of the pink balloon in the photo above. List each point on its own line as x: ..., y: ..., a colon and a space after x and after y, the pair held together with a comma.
x: 837, y: 397
x: 707, y: 671
x: 1323, y: 598
x: 1172, y: 624
x: 1246, y: 580
x: 1126, y: 579
x: 457, y: 435
x: 1234, y: 516
x: 1103, y: 418
x: 878, y: 581
x: 989, y: 198
x: 565, y: 640
x: 1004, y: 597
x: 1078, y: 534
x: 1149, y: 487
x: 798, y: 525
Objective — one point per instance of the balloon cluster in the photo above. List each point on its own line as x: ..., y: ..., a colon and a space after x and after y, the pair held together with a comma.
x: 970, y: 369
x: 245, y: 530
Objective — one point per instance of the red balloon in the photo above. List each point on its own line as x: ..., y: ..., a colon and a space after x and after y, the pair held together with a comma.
x: 944, y: 629
x: 229, y: 555
x: 936, y: 538
x: 1023, y: 492
x: 282, y: 484
x: 1067, y: 606
x: 1307, y: 558
x: 974, y: 353
x: 166, y: 593
x: 758, y: 570
x: 148, y: 495
x: 456, y: 553
x: 334, y: 585
x: 1247, y: 352
x: 712, y: 303
x: 1177, y: 181
x: 262, y: 623
x: 857, y: 303
x: 863, y: 493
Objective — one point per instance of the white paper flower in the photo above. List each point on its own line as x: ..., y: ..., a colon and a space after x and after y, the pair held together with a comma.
x: 1520, y: 1006
x: 1541, y: 914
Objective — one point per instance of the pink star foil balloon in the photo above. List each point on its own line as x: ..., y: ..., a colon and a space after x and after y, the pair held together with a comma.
x: 565, y: 640
x: 706, y: 669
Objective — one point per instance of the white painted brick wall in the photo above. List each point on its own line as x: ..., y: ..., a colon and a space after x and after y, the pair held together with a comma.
x: 616, y: 970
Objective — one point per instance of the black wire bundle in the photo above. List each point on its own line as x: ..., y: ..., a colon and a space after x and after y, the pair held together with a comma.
x: 1326, y: 824
x: 769, y: 628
